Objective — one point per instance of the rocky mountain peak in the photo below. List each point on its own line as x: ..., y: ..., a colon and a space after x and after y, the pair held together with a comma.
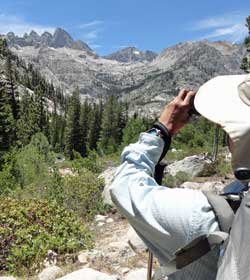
x: 59, y: 39
x: 132, y: 54
x: 34, y: 35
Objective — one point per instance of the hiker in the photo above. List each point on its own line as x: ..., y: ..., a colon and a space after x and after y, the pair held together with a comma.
x: 168, y: 219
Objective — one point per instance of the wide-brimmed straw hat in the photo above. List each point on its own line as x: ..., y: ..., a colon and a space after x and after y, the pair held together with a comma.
x: 225, y: 100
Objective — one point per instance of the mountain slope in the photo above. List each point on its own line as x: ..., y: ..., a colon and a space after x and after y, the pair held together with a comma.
x: 145, y: 85
x: 132, y: 54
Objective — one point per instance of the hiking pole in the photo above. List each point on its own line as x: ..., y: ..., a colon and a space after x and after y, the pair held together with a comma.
x: 215, y: 143
x: 159, y: 171
x: 150, y: 265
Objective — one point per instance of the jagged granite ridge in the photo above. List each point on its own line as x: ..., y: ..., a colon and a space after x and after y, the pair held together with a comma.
x: 59, y: 39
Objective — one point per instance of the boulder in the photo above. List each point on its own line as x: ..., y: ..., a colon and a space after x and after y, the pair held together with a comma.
x: 108, y: 175
x: 88, y: 274
x: 100, y: 218
x: 135, y: 241
x: 50, y: 273
x: 137, y: 274
x: 83, y: 258
x: 110, y: 220
x: 196, y: 165
x: 214, y: 186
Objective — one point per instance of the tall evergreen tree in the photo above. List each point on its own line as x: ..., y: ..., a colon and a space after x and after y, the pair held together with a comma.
x: 7, y: 121
x: 133, y: 128
x: 12, y: 80
x: 107, y: 142
x: 84, y: 127
x: 27, y: 124
x: 72, y: 129
x: 41, y: 113
x: 245, y: 65
x: 121, y: 118
x: 3, y: 47
x: 94, y: 126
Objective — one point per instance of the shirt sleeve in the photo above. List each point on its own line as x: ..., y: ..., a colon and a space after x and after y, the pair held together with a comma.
x: 166, y: 219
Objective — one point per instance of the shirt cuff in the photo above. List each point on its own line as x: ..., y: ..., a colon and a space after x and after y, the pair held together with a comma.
x: 147, y: 151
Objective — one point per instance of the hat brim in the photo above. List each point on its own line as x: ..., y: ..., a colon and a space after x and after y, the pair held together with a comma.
x: 218, y: 100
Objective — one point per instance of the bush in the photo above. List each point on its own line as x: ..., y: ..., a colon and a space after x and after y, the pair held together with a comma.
x: 8, y: 181
x: 91, y: 162
x: 26, y: 166
x: 29, y: 228
x: 223, y: 167
x: 83, y: 194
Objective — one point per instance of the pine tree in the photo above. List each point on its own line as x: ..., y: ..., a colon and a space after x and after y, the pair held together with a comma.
x: 94, y: 126
x: 41, y: 114
x: 132, y: 130
x: 121, y: 118
x: 3, y: 47
x: 245, y: 65
x: 6, y: 121
x: 12, y: 90
x: 72, y: 129
x: 27, y: 124
x: 84, y: 127
x: 55, y: 123
x: 107, y: 142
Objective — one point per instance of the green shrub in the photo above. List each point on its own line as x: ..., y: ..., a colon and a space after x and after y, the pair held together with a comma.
x: 91, y: 162
x: 8, y: 174
x: 223, y: 167
x: 83, y: 193
x: 30, y: 228
x: 25, y: 166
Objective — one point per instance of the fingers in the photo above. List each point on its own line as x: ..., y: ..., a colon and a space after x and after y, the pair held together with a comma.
x: 189, y: 97
x: 182, y: 94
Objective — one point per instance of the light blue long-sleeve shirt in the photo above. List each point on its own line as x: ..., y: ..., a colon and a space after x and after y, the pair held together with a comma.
x: 166, y: 219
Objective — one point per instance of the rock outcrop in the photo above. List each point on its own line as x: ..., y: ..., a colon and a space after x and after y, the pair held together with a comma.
x: 50, y: 273
x: 108, y: 176
x: 196, y: 165
x: 211, y: 186
x: 88, y: 274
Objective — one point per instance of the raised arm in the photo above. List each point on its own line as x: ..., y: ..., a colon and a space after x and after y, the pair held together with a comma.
x: 164, y: 218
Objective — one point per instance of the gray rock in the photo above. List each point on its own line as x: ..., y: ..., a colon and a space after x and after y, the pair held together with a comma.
x: 88, y: 274
x: 215, y: 186
x: 100, y: 218
x: 100, y: 224
x: 83, y: 258
x: 135, y: 241
x: 109, y: 221
x: 137, y: 274
x: 108, y: 175
x: 7, y: 278
x: 50, y: 273
x: 194, y: 166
